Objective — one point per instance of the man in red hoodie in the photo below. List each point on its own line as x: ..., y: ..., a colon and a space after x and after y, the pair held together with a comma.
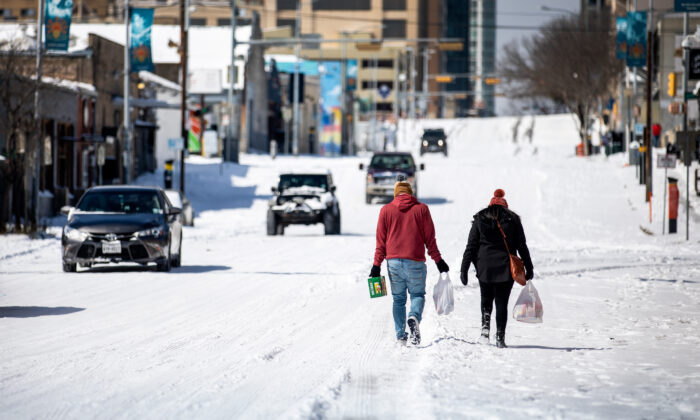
x: 404, y: 230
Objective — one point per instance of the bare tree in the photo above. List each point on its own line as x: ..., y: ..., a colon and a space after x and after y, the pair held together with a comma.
x: 570, y: 62
x: 19, y: 126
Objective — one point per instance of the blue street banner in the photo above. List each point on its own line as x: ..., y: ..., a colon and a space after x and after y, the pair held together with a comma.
x: 57, y: 17
x: 686, y: 5
x: 140, y: 45
x: 621, y: 44
x: 636, y: 39
x: 351, y: 76
x: 331, y: 115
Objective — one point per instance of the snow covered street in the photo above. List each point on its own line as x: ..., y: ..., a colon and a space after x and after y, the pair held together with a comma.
x: 256, y: 326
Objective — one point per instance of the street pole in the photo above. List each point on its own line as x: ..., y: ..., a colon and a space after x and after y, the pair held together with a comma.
x: 634, y: 93
x: 231, y: 154
x: 343, y: 99
x: 297, y: 53
x: 184, y: 23
x: 127, y: 119
x: 37, y: 115
x: 650, y: 72
x: 413, y: 84
x: 424, y: 102
x: 686, y: 56
x: 397, y: 90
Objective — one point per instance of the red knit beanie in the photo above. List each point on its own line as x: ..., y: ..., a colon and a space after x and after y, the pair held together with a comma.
x: 498, y: 198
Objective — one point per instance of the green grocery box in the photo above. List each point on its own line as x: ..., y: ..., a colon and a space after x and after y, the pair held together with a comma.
x: 377, y: 287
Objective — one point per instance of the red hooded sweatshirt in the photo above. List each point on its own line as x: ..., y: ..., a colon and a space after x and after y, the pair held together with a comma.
x: 404, y: 230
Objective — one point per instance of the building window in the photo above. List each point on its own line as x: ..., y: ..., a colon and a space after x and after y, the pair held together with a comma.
x: 342, y: 5
x: 198, y: 22
x: 292, y: 23
x: 394, y: 28
x: 394, y: 4
x: 223, y: 22
x: 369, y: 84
x: 27, y: 13
x: 385, y: 106
x: 385, y: 64
x: 286, y: 4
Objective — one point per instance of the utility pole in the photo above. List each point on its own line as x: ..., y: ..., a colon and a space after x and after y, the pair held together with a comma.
x: 650, y: 72
x: 297, y: 53
x: 413, y: 83
x: 184, y: 23
x: 231, y: 154
x: 424, y: 102
x: 37, y: 115
x: 343, y: 99
x: 634, y: 93
x: 686, y: 57
x: 127, y: 117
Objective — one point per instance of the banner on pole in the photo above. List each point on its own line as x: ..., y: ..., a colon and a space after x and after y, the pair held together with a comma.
x: 57, y: 29
x: 351, y: 76
x: 636, y: 39
x: 686, y: 5
x: 140, y: 45
x: 621, y: 37
x: 331, y: 118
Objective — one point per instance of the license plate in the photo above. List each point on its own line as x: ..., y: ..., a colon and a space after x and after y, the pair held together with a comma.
x: 114, y: 247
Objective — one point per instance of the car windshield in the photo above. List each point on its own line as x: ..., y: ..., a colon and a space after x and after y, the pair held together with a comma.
x: 292, y: 181
x: 121, y: 202
x: 433, y: 134
x: 392, y: 162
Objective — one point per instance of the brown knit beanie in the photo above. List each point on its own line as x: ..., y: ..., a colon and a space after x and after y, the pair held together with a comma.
x: 498, y: 198
x: 402, y: 188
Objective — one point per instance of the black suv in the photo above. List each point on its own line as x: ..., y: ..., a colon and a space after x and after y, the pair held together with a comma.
x: 433, y: 140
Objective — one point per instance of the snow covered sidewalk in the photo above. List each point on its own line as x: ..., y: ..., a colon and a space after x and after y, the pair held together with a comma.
x: 253, y: 326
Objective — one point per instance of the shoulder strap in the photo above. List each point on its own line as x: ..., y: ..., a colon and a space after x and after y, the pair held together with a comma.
x: 504, y: 235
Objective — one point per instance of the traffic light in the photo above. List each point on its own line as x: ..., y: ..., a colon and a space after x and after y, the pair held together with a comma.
x: 671, y: 84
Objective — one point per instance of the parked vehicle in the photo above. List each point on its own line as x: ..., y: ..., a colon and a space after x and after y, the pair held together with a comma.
x: 433, y: 140
x: 383, y: 170
x: 304, y: 198
x: 122, y: 224
x: 178, y: 199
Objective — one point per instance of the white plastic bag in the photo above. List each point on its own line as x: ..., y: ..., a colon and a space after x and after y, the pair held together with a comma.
x: 528, y: 307
x: 443, y: 295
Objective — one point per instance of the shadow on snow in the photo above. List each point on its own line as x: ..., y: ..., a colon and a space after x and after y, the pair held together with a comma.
x: 35, y: 311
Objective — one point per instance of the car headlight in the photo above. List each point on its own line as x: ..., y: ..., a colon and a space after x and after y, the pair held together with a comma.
x: 370, y: 178
x: 75, y: 234
x: 156, y: 231
x: 425, y: 143
x: 440, y: 143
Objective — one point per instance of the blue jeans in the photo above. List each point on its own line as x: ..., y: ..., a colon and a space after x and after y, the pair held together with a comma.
x: 406, y: 275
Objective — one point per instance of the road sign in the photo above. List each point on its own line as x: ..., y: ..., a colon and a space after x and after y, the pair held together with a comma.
x: 666, y: 161
x: 639, y: 129
x: 100, y: 155
x: 687, y: 142
x: 686, y: 5
x: 384, y: 91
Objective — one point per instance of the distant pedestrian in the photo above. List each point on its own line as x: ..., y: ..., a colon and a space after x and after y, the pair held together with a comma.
x: 404, y: 230
x: 487, y: 250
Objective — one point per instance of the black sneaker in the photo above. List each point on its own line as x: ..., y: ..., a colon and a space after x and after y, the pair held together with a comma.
x: 415, y: 331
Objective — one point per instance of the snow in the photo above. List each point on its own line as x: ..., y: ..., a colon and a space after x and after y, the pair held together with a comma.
x: 265, y: 327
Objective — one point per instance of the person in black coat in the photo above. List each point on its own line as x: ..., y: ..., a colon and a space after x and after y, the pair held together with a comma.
x: 486, y: 249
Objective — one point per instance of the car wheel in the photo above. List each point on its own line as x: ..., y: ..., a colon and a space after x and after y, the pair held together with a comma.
x: 70, y: 268
x: 178, y: 260
x: 337, y: 223
x: 271, y: 223
x: 166, y: 265
x: 329, y: 223
x: 280, y: 229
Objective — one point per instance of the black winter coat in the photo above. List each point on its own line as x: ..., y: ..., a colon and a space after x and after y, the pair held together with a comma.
x: 485, y: 247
